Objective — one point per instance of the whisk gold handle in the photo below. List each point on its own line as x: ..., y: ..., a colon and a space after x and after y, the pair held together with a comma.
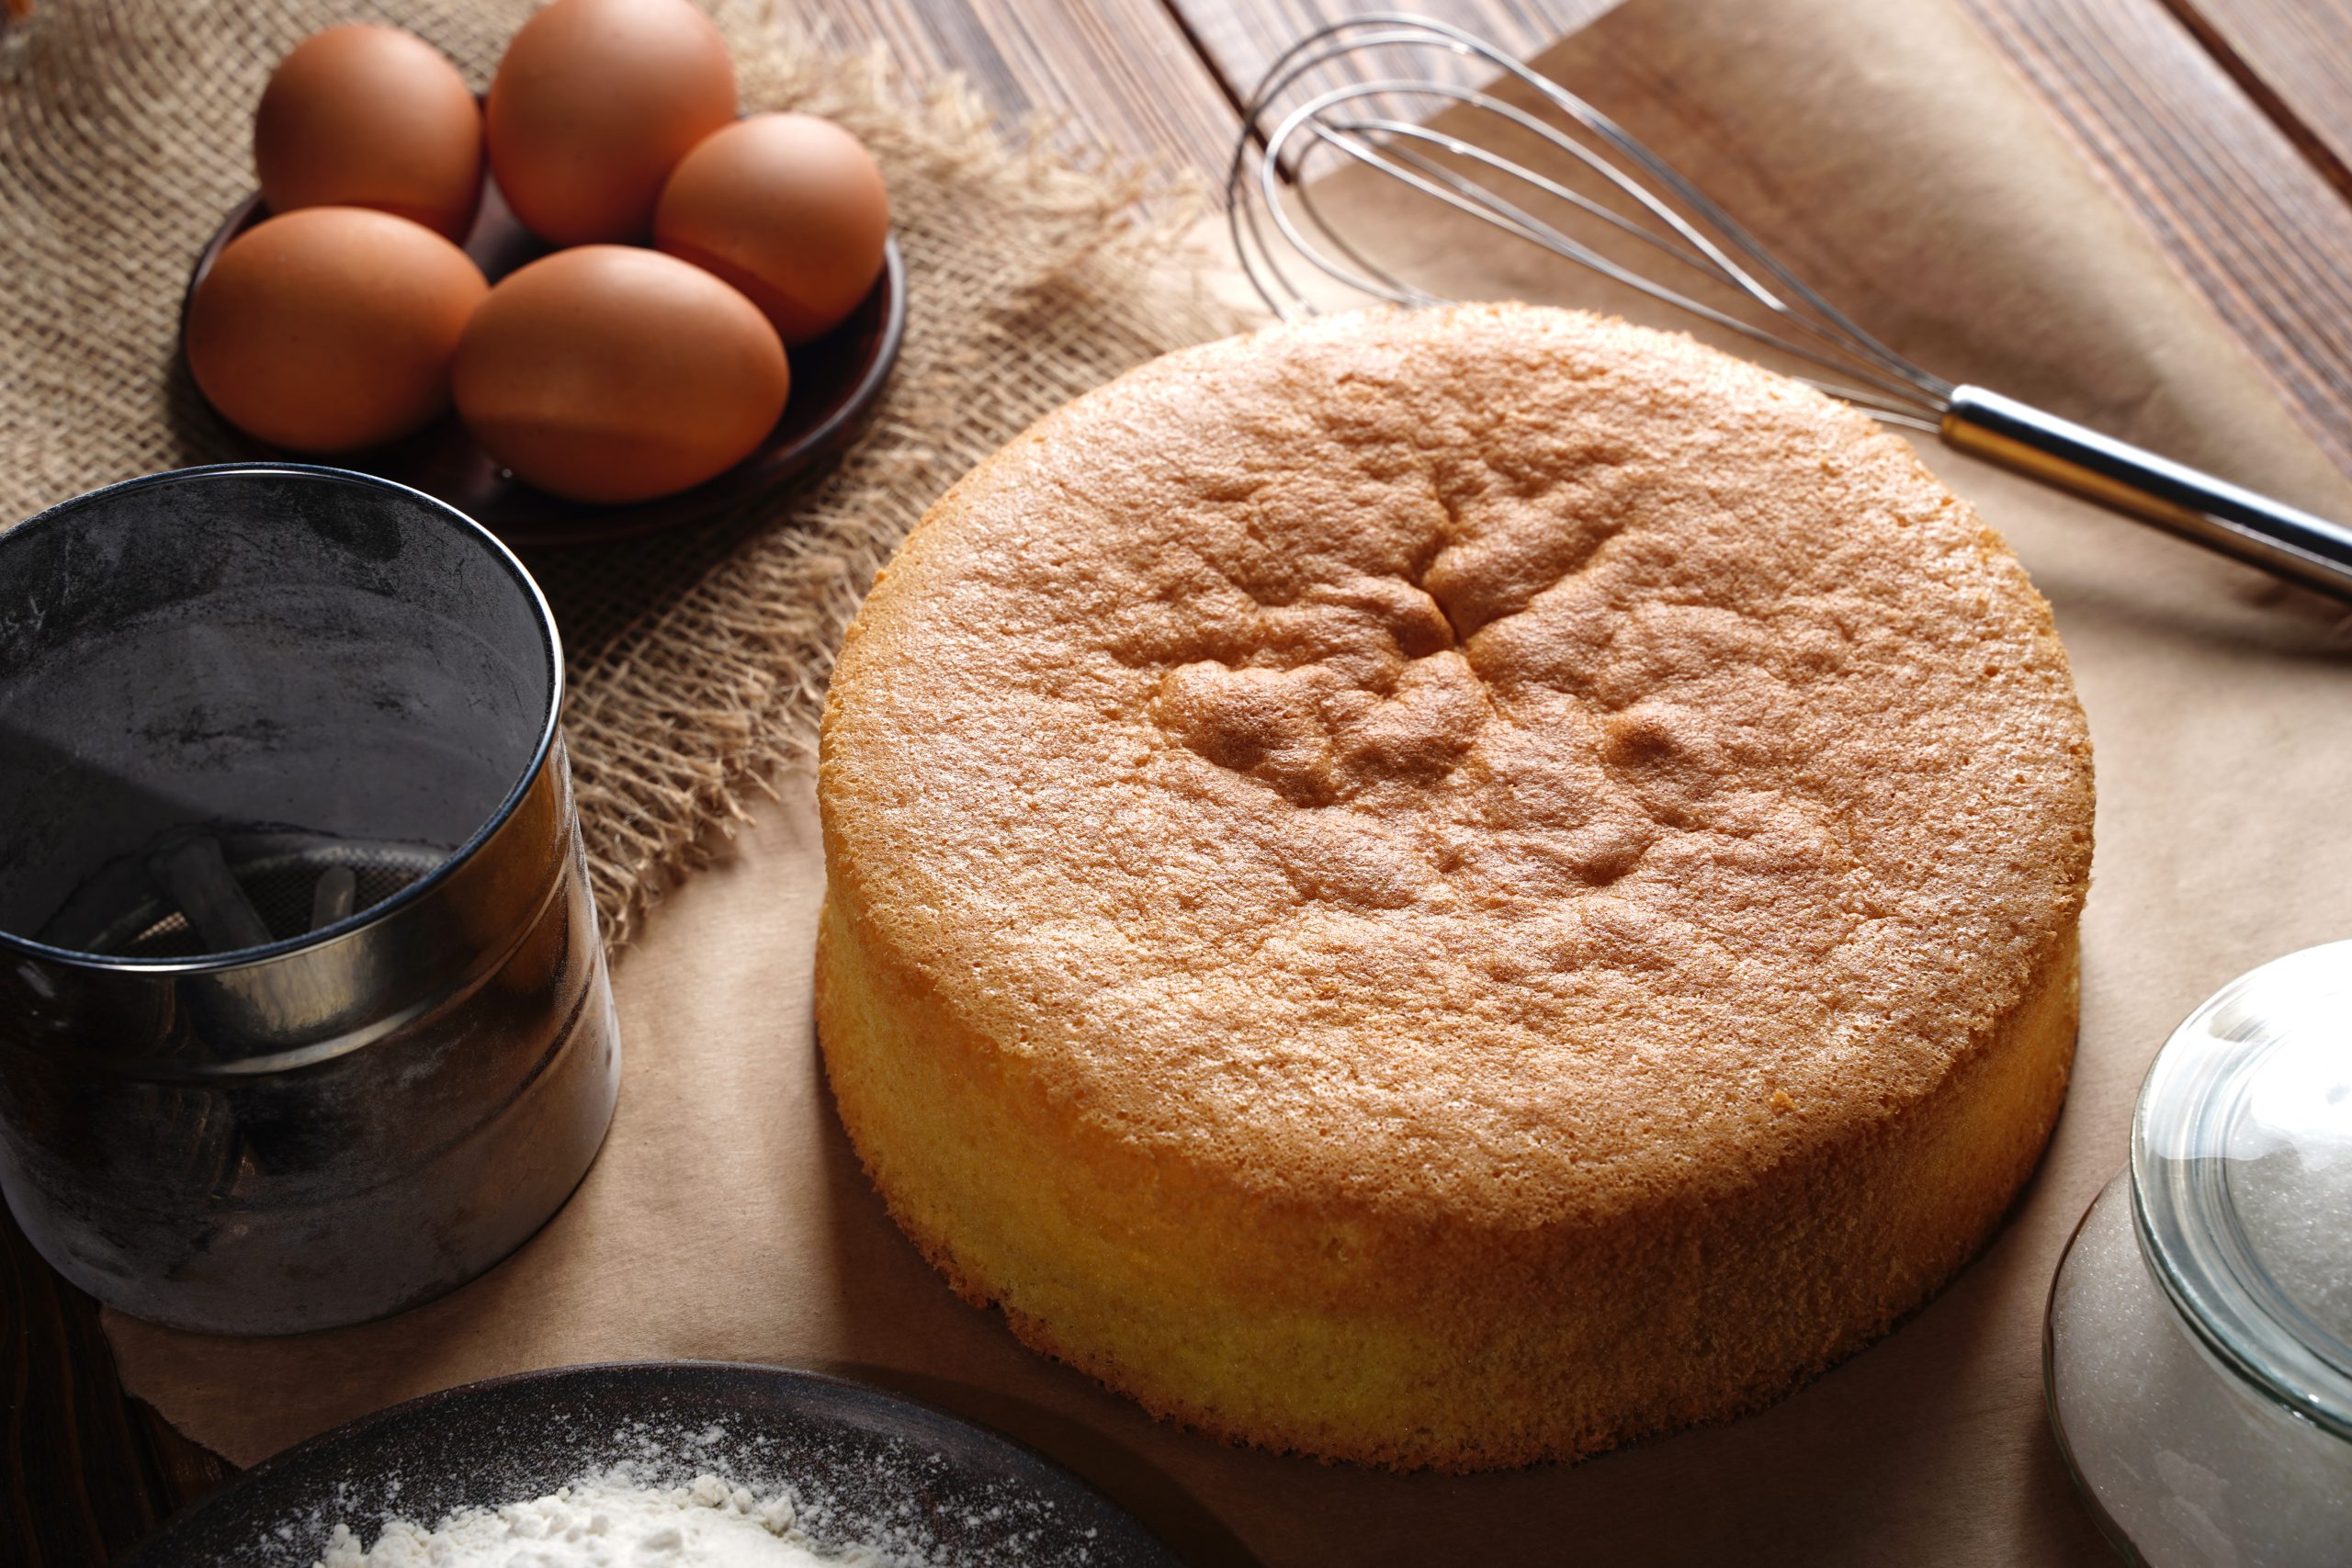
x: 2222, y: 516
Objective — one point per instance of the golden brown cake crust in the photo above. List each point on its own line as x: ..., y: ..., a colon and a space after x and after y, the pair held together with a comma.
x: 1492, y: 774
x: 1474, y: 761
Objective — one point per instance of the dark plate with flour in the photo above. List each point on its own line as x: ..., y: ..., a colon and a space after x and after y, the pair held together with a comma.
x: 865, y: 1467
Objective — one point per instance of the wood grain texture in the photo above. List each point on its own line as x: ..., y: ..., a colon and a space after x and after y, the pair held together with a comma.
x: 1241, y: 39
x: 1116, y: 75
x: 89, y: 1470
x: 2255, y: 228
x: 2293, y: 58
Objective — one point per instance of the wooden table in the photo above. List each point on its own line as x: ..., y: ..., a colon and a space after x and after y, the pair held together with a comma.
x: 2225, y: 124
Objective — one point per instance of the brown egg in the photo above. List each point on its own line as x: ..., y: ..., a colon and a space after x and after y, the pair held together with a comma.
x: 332, y: 328
x: 595, y: 104
x: 787, y: 208
x: 613, y: 374
x: 371, y: 116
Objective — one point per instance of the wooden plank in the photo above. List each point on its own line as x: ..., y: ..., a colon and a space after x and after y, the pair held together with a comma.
x: 2293, y: 58
x: 1242, y: 39
x: 2254, y: 226
x: 89, y: 1470
x: 1118, y: 75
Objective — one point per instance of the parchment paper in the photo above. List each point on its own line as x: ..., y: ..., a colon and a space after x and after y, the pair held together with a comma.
x: 1888, y: 154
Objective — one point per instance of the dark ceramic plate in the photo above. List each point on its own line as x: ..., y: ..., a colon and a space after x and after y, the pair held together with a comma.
x: 835, y: 382
x: 862, y: 1466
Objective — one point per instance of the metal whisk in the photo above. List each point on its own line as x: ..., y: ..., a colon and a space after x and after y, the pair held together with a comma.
x: 1664, y: 238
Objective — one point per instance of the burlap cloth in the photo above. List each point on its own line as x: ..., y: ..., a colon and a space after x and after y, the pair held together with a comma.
x: 694, y: 661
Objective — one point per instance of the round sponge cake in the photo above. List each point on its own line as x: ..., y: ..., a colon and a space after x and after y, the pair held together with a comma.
x: 1451, y: 888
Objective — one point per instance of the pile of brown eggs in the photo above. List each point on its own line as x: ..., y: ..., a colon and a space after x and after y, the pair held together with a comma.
x: 607, y: 371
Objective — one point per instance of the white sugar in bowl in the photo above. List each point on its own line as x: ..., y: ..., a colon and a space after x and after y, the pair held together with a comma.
x: 2199, y: 1349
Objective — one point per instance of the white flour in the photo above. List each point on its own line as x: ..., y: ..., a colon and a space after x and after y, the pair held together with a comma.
x: 606, y: 1521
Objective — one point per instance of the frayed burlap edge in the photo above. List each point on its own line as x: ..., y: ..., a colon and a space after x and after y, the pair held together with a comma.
x: 696, y: 663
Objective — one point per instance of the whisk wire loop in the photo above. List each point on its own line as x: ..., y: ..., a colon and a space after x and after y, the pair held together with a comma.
x: 1707, y: 241
x: 1469, y: 196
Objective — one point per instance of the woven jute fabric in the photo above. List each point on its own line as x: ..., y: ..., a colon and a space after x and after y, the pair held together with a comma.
x: 696, y: 662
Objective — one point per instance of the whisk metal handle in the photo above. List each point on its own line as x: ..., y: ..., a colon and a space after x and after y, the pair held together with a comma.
x: 2222, y: 516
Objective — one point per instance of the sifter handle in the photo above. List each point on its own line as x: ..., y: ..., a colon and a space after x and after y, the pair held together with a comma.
x: 2220, y: 516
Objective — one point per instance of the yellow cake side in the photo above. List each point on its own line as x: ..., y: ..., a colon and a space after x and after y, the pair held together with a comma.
x: 1374, y: 1336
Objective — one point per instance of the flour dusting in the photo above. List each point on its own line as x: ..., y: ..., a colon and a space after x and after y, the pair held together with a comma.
x: 608, y: 1520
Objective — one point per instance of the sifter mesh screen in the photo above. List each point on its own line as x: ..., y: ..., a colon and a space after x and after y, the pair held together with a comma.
x: 281, y: 887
